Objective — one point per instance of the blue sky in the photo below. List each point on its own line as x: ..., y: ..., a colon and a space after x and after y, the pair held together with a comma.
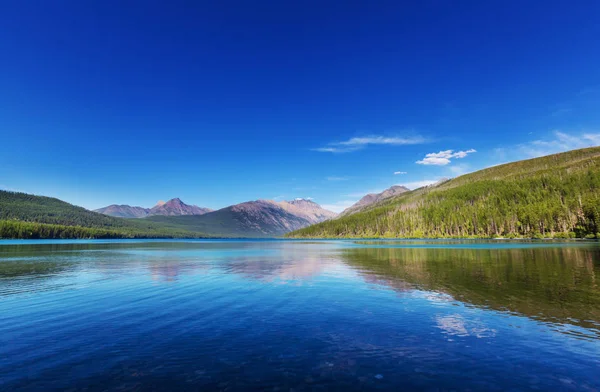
x: 222, y: 102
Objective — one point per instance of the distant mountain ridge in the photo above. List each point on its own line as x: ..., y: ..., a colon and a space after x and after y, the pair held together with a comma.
x: 173, y: 207
x: 373, y: 198
x: 259, y: 218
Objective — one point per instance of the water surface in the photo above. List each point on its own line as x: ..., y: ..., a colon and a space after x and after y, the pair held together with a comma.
x: 299, y: 315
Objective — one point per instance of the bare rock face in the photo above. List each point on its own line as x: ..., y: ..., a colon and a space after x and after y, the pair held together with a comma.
x: 308, y: 209
x: 275, y: 218
x: 373, y: 198
x: 173, y: 207
x: 266, y: 217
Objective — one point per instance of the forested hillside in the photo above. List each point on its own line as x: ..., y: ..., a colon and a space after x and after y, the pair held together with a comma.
x: 29, y: 216
x: 553, y: 196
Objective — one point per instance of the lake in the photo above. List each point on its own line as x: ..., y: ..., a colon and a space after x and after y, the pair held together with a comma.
x: 299, y: 315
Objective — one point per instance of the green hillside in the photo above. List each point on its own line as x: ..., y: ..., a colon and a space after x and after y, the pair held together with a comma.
x: 553, y: 196
x: 29, y: 216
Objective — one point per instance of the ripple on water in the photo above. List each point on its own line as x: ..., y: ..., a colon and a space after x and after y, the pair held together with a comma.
x: 299, y: 315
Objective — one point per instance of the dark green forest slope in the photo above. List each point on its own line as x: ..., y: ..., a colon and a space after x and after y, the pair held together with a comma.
x: 29, y: 216
x: 553, y: 196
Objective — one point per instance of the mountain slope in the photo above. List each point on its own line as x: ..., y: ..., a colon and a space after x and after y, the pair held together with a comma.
x: 173, y: 207
x: 373, y: 198
x: 557, y: 195
x: 308, y: 210
x: 176, y: 207
x: 123, y: 211
x: 261, y: 218
x: 30, y: 216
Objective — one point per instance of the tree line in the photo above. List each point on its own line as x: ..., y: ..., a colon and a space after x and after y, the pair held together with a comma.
x: 33, y: 230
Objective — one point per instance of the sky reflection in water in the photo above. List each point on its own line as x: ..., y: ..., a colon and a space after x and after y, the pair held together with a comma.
x: 237, y: 315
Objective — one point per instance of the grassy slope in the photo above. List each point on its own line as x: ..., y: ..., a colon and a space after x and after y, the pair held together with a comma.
x: 29, y: 216
x: 556, y: 195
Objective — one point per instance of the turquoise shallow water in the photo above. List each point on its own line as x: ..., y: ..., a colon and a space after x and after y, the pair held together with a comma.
x: 299, y: 315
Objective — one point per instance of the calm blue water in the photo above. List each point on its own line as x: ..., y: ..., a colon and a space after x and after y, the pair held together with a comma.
x: 299, y: 315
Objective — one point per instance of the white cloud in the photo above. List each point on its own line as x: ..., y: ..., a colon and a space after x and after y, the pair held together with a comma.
x: 339, y: 206
x: 443, y: 158
x: 437, y: 161
x: 335, y: 150
x: 304, y: 198
x: 337, y: 178
x: 561, y: 142
x: 397, y: 141
x: 400, y: 172
x: 358, y: 143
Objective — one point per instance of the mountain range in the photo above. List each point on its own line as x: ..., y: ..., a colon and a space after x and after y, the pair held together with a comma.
x: 30, y: 216
x: 556, y: 196
x: 173, y: 207
x: 260, y: 218
x: 249, y: 219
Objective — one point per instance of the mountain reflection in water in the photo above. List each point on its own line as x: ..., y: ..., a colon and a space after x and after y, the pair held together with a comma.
x: 555, y: 284
x: 302, y: 315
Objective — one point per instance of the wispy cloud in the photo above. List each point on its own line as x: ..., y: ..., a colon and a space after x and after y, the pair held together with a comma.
x: 333, y: 178
x: 335, y: 150
x: 443, y: 158
x: 400, y: 172
x: 358, y: 143
x: 397, y: 141
x: 561, y: 142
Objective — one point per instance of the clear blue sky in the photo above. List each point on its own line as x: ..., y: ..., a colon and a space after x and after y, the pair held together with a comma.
x: 226, y: 101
